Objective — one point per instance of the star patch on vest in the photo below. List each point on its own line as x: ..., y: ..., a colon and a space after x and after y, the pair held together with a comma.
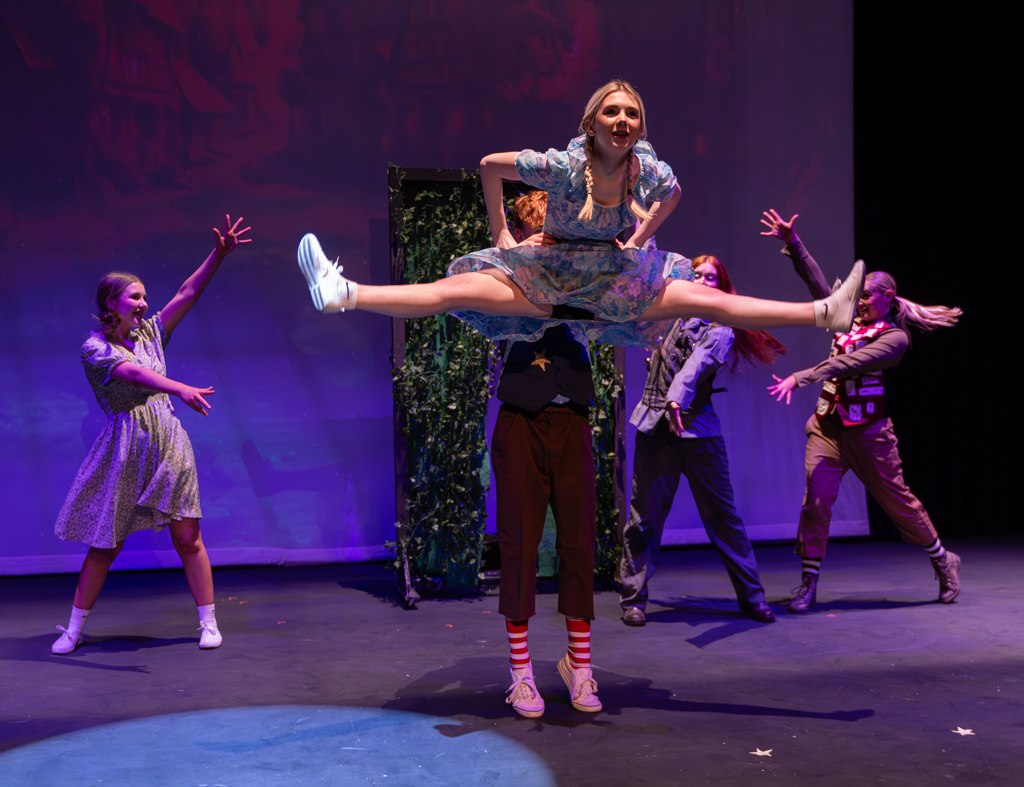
x: 540, y: 360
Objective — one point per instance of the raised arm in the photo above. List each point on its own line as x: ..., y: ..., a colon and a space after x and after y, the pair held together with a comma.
x: 193, y: 287
x: 659, y: 212
x: 147, y: 378
x: 493, y: 169
x: 804, y: 264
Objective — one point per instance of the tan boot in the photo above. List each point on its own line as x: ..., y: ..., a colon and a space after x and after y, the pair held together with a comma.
x: 947, y: 571
x: 805, y: 596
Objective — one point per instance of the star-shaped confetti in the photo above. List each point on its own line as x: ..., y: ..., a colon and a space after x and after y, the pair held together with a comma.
x: 768, y: 753
x: 540, y: 360
x: 961, y: 731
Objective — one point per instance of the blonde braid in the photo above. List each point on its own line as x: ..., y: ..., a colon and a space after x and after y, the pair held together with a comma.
x: 639, y: 212
x: 587, y: 211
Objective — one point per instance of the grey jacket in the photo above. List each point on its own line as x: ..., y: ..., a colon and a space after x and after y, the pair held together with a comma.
x: 683, y: 370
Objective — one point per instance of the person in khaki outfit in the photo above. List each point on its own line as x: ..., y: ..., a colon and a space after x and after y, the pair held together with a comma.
x: 850, y: 428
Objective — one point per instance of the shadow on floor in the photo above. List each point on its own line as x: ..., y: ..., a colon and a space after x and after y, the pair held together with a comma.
x: 468, y: 688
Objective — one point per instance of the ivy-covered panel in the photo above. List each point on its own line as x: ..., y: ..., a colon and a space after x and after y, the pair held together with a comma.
x: 443, y: 389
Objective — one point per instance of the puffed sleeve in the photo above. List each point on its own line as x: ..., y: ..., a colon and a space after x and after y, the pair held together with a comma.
x: 546, y: 171
x: 657, y: 181
x: 100, y: 358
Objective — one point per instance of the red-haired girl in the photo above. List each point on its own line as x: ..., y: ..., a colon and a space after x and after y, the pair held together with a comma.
x: 679, y: 435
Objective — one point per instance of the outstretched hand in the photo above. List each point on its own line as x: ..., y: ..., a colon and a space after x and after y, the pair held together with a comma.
x: 782, y: 387
x: 226, y: 243
x: 779, y: 228
x: 193, y: 397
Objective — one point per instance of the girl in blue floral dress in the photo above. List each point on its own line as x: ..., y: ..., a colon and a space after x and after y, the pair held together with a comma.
x: 140, y: 473
x: 603, y: 184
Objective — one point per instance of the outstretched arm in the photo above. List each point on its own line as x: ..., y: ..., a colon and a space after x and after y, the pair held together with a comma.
x: 659, y: 212
x: 193, y: 287
x: 147, y: 378
x: 885, y: 351
x: 493, y: 169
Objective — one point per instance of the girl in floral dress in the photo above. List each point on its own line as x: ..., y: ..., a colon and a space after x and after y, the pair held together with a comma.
x: 140, y: 473
x: 607, y: 180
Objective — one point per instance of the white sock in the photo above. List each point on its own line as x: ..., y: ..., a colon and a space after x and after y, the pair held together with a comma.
x: 810, y: 565
x: 347, y: 299
x: 77, y: 622
x: 206, y: 614
x: 935, y: 550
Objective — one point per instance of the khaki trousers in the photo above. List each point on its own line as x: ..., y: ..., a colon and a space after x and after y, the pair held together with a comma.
x: 870, y: 452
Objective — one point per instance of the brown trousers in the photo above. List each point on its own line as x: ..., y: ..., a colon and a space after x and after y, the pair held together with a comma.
x: 870, y: 451
x: 540, y: 458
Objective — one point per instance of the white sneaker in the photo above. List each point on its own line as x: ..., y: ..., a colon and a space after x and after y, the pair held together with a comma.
x: 523, y: 695
x: 836, y: 312
x: 66, y: 643
x: 581, y: 684
x: 210, y: 636
x: 330, y: 291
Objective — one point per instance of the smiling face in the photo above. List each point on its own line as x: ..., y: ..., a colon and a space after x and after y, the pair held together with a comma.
x: 129, y: 308
x: 618, y: 123
x: 874, y: 305
x: 706, y: 274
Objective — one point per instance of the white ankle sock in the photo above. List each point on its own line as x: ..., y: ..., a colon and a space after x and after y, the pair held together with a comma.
x: 810, y: 565
x: 77, y: 622
x: 348, y: 301
x: 206, y: 613
x: 935, y: 550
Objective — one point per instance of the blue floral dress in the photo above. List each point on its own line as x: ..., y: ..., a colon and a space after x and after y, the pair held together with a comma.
x: 141, y: 472
x: 585, y: 270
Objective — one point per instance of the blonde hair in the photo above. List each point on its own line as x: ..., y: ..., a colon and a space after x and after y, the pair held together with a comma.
x: 589, y: 113
x: 110, y: 288
x: 905, y: 312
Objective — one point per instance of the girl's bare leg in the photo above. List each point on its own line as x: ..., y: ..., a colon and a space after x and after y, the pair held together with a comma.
x: 188, y: 542
x: 488, y: 291
x: 683, y: 299
x: 93, y: 575
x: 835, y: 312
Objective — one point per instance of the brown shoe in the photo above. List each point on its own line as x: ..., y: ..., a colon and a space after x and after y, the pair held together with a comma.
x: 947, y: 571
x: 634, y: 616
x: 805, y: 596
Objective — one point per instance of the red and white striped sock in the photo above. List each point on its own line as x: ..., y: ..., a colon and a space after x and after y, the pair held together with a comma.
x: 579, y: 642
x: 519, y: 652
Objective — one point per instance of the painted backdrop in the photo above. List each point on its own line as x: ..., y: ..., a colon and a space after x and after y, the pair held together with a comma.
x: 132, y: 126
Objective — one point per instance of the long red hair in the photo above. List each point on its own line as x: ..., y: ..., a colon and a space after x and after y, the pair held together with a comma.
x: 751, y: 346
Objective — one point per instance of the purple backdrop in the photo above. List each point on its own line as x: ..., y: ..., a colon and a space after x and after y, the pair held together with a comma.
x: 132, y: 127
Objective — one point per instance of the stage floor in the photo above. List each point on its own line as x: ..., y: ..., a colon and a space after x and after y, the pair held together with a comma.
x: 324, y: 679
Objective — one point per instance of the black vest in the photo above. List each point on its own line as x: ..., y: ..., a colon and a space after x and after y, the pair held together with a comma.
x: 534, y: 373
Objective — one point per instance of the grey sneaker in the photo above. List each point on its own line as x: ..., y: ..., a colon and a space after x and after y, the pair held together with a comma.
x: 634, y: 616
x: 836, y: 312
x: 947, y: 571
x: 805, y: 596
